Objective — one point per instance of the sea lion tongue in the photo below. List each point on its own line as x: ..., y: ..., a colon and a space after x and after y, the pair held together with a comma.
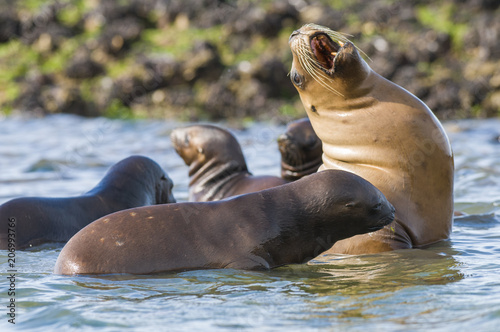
x: 325, y: 50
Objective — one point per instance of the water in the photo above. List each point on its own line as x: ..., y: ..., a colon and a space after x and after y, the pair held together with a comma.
x: 454, y: 285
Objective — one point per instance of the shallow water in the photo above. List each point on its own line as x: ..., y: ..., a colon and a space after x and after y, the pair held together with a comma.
x: 454, y: 285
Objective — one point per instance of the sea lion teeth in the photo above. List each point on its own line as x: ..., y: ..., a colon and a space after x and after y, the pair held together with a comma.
x: 323, y: 48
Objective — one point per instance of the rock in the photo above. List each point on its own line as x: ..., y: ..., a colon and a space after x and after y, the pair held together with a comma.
x: 443, y: 98
x: 128, y: 88
x: 203, y: 63
x: 41, y: 95
x: 428, y: 46
x: 252, y: 20
x: 161, y: 71
x: 273, y: 76
x: 10, y: 27
x: 118, y: 36
x: 218, y: 99
x: 483, y: 36
x: 385, y: 58
x: 44, y: 30
x: 30, y: 98
x: 59, y: 99
x: 411, y: 79
x: 82, y: 66
x: 322, y: 15
x: 492, y: 104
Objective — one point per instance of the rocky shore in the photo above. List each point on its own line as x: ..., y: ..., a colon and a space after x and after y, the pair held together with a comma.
x: 209, y: 59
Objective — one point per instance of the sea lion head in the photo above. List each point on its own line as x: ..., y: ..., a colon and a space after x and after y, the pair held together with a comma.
x: 325, y: 64
x: 300, y: 150
x: 136, y: 172
x: 203, y: 143
x: 163, y: 189
x: 352, y: 205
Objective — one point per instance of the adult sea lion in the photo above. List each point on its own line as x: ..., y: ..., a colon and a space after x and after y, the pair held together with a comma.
x: 132, y: 182
x: 217, y: 167
x: 287, y: 224
x: 300, y: 150
x: 374, y: 128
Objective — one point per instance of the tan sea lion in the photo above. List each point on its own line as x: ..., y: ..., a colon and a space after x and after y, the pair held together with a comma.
x: 288, y: 224
x: 300, y: 150
x: 217, y: 167
x: 379, y: 131
x: 132, y: 182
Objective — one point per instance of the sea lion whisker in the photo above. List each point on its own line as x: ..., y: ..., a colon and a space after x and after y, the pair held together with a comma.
x: 322, y: 79
x: 312, y: 67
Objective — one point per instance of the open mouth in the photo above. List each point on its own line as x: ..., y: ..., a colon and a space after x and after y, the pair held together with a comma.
x: 325, y: 49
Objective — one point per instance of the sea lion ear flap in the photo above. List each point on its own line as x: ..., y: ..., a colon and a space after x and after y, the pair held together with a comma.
x: 200, y: 150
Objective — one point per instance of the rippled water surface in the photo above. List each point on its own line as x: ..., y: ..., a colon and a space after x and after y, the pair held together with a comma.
x: 454, y: 285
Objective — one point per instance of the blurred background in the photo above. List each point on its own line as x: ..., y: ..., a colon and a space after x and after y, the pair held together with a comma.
x: 197, y: 60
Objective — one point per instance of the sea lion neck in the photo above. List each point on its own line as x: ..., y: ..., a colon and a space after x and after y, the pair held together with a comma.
x: 318, y: 101
x: 294, y: 172
x: 213, y: 174
x: 302, y: 230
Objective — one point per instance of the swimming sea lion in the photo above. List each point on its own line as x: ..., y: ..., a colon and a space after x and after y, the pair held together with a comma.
x: 132, y: 182
x: 300, y: 150
x: 287, y: 224
x: 217, y: 167
x: 379, y: 131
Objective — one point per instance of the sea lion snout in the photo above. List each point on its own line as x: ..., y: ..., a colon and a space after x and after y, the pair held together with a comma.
x: 282, y: 139
x: 293, y: 35
x: 300, y: 150
x: 179, y: 138
x: 285, y: 142
x: 386, y: 211
x: 164, y: 194
x: 383, y: 210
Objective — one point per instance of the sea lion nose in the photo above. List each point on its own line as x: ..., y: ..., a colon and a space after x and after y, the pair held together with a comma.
x: 282, y: 138
x: 295, y: 33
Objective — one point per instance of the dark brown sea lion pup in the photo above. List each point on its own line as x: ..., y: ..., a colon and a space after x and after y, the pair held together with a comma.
x: 300, y: 150
x: 374, y: 128
x: 132, y: 182
x: 217, y: 167
x: 287, y: 224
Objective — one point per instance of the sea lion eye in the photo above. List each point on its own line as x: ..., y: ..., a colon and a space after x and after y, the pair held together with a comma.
x: 297, y: 79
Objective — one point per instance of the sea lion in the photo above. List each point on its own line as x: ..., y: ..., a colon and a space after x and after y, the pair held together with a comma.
x: 132, y: 182
x: 217, y: 167
x: 287, y: 224
x: 374, y: 128
x: 300, y: 150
